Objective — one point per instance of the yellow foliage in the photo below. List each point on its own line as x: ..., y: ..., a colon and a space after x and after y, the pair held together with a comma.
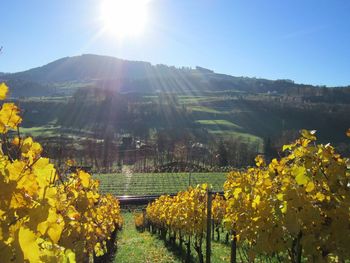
x: 304, y: 195
x: 43, y: 219
x: 3, y: 91
x: 28, y: 242
x: 9, y: 117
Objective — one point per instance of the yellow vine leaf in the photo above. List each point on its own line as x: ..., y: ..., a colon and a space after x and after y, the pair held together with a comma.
x: 236, y: 192
x: 3, y: 91
x: 72, y: 213
x: 310, y: 186
x: 204, y: 186
x: 286, y: 147
x: 320, y: 197
x: 348, y: 132
x: 53, y: 225
x: 98, y: 249
x: 85, y: 178
x: 70, y: 162
x: 284, y: 207
x: 27, y: 240
x: 300, y: 175
x: 9, y: 117
x: 55, y: 231
x: 280, y: 196
x: 14, y: 170
x: 256, y: 201
x: 44, y: 171
x: 259, y: 160
x: 16, y: 141
x: 70, y: 256
x: 18, y: 200
x: 310, y: 135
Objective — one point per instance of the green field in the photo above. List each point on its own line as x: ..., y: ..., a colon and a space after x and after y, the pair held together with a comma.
x: 206, y: 110
x: 246, y: 137
x: 219, y: 123
x: 156, y: 183
x: 46, y: 131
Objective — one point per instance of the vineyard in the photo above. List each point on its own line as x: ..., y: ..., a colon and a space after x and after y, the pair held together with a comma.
x: 292, y: 209
x: 156, y: 183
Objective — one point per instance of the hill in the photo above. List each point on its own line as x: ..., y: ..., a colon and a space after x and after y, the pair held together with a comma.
x: 91, y: 101
x: 66, y: 75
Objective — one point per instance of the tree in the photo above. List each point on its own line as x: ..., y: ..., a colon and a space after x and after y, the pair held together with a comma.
x: 222, y: 154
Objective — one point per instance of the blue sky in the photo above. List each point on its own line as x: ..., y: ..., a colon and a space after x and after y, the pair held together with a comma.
x: 307, y: 41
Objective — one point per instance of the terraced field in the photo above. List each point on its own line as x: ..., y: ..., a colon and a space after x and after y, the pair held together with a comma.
x: 156, y: 183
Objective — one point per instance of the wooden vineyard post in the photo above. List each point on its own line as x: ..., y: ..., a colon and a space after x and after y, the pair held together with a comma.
x: 208, y: 236
x: 145, y: 225
x: 188, y: 249
x: 212, y: 229
x: 233, y: 247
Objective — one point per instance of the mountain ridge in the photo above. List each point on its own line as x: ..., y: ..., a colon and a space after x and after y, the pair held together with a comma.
x: 137, y: 76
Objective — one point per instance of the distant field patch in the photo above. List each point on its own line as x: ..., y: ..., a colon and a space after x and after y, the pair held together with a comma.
x: 52, y: 131
x: 205, y: 109
x: 197, y: 99
x: 219, y: 123
x: 46, y: 131
x: 245, y: 137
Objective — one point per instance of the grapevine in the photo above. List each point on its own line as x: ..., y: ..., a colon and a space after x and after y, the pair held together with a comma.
x: 46, y: 216
x: 183, y: 215
x: 294, y: 208
x: 297, y: 205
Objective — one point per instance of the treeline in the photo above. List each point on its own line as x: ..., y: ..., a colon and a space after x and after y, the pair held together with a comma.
x: 166, y: 152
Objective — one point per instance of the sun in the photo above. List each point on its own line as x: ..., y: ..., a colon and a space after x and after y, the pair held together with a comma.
x: 124, y: 17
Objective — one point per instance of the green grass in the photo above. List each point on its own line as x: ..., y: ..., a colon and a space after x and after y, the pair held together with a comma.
x: 56, y: 99
x: 196, y: 99
x: 156, y: 183
x: 219, y: 123
x: 243, y: 137
x: 53, y: 130
x: 227, y: 128
x: 46, y: 131
x: 206, y: 109
x: 140, y: 247
x: 137, y: 247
